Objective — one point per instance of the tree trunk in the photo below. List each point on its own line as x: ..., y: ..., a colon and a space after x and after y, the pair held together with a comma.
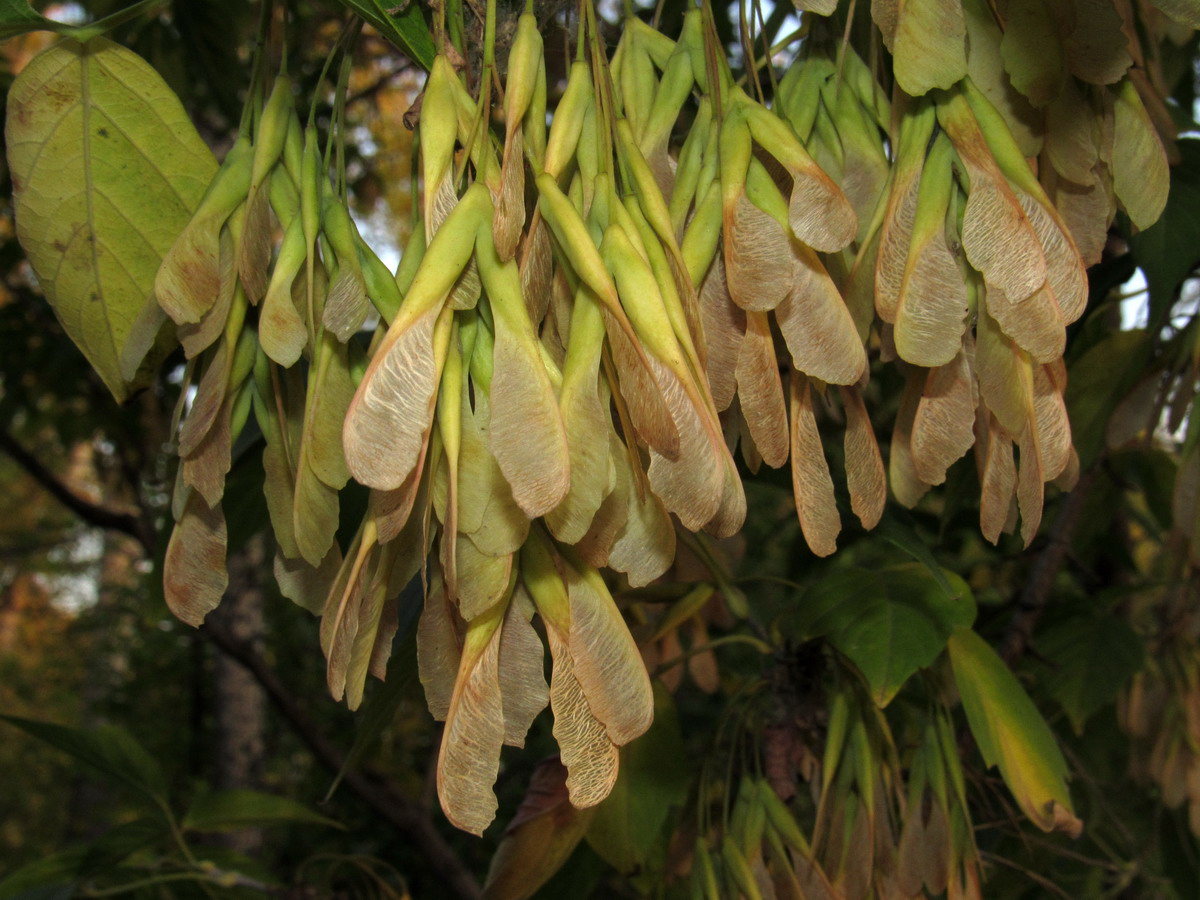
x: 239, y: 703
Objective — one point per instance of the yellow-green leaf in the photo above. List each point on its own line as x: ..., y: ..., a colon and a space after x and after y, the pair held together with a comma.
x: 1011, y: 733
x: 107, y: 169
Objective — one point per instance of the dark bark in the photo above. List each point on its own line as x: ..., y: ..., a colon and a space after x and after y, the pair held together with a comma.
x: 239, y: 702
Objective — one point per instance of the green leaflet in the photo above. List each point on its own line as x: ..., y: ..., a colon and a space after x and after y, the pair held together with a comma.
x: 108, y: 749
x: 17, y: 17
x: 1092, y: 658
x: 890, y: 622
x: 406, y: 29
x: 1012, y: 734
x: 107, y: 170
x: 235, y: 809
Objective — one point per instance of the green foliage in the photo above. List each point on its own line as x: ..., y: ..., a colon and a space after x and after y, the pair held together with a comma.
x: 236, y: 809
x: 1167, y: 250
x: 109, y: 749
x: 1099, y: 379
x: 404, y: 25
x: 1011, y: 733
x: 890, y: 622
x: 17, y: 17
x: 1091, y: 659
x: 145, y: 852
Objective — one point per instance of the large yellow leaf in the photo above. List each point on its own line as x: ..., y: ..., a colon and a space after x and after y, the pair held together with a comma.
x: 107, y: 169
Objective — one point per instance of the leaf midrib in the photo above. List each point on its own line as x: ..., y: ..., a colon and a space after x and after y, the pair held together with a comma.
x: 88, y: 181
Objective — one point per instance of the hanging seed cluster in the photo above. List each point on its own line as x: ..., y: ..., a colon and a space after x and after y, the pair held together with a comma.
x: 874, y: 833
x: 1160, y: 712
x: 593, y: 313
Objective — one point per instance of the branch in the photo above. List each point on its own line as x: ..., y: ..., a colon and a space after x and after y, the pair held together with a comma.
x: 92, y: 513
x: 1036, y: 592
x: 381, y: 796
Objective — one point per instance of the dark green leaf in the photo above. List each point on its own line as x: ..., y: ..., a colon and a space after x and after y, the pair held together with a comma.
x: 244, y: 503
x: 889, y: 622
x: 17, y: 17
x: 579, y: 877
x: 108, y: 749
x: 541, y: 837
x: 406, y: 28
x: 1092, y: 657
x: 1169, y: 249
x: 653, y: 777
x: 234, y: 809
x: 117, y: 844
x: 51, y: 878
x: 899, y: 530
x: 1152, y: 472
x: 1098, y: 381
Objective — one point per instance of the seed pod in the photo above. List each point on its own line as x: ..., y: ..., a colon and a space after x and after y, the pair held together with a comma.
x: 190, y: 278
x: 254, y: 255
x: 931, y: 307
x: 393, y: 405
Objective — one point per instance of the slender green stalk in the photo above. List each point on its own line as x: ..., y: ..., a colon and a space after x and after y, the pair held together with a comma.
x: 768, y: 53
